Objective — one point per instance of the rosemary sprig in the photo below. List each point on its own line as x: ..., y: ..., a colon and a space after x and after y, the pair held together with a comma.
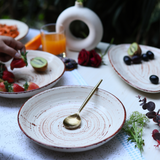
x: 133, y: 127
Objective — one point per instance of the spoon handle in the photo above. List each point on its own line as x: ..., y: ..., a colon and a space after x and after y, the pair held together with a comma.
x: 89, y: 96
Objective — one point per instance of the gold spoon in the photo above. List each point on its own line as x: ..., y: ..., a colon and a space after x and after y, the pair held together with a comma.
x: 73, y: 121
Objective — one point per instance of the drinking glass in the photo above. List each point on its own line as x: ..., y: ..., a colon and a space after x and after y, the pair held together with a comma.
x: 52, y: 41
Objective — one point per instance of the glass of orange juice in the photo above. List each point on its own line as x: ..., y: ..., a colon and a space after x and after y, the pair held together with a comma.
x: 52, y: 41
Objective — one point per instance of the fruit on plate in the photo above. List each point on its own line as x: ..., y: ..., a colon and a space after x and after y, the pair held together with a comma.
x: 30, y: 86
x: 19, y: 63
x: 13, y: 87
x: 134, y: 49
x: 3, y: 87
x: 5, y: 75
x: 154, y: 79
x: 145, y: 57
x: 150, y: 54
x: 127, y: 60
x: 136, y: 59
x: 39, y: 64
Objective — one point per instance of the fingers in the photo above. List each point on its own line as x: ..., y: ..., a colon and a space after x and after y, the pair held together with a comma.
x: 7, y: 50
x: 11, y: 47
x: 4, y: 57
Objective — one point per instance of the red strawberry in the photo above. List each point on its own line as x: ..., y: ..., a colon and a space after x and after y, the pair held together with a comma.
x: 14, y: 88
x: 30, y: 86
x: 8, y: 76
x: 19, y: 63
x: 5, y: 74
x: 3, y: 87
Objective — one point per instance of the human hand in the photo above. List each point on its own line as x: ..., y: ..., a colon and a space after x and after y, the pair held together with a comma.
x: 9, y: 48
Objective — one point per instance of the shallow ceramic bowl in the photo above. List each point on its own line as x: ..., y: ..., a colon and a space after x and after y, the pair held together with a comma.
x: 44, y: 80
x: 136, y: 75
x: 22, y: 27
x: 41, y: 118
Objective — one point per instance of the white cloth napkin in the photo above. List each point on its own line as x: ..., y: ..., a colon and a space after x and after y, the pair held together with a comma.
x: 14, y: 145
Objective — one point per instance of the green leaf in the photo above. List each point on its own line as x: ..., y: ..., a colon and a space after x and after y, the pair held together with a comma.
x: 133, y: 127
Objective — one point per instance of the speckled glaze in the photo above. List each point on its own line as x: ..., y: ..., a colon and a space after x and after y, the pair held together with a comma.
x: 22, y: 27
x: 136, y: 75
x: 44, y: 80
x: 41, y: 118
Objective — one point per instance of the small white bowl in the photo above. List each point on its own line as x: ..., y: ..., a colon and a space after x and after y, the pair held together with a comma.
x: 41, y: 118
x: 44, y: 80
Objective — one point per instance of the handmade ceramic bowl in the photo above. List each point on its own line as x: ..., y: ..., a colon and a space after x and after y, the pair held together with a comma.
x: 44, y: 80
x: 41, y: 118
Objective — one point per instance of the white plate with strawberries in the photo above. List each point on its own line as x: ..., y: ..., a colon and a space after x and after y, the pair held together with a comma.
x: 27, y: 81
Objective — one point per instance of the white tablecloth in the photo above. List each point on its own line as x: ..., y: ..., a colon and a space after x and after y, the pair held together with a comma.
x: 14, y: 145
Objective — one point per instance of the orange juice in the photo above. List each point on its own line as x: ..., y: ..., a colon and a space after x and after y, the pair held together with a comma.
x: 54, y: 43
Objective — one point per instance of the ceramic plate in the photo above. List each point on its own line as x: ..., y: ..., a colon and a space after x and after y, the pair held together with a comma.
x: 44, y: 80
x: 136, y: 75
x: 41, y: 118
x: 22, y: 27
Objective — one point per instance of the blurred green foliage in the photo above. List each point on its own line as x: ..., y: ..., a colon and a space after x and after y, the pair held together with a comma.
x: 124, y: 20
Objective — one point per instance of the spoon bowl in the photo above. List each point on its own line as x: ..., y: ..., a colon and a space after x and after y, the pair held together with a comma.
x: 74, y: 121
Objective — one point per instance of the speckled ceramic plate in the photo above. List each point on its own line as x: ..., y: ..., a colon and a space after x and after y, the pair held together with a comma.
x: 22, y: 27
x: 41, y: 118
x: 136, y: 75
x: 44, y: 80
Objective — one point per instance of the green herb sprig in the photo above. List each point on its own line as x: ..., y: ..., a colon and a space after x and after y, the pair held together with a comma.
x: 105, y: 52
x: 133, y: 127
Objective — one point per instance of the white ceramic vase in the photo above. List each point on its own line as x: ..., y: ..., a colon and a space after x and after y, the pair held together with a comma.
x: 87, y: 16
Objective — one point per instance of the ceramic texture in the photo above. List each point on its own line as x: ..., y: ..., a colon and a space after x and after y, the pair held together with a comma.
x: 136, y: 75
x: 22, y: 27
x: 44, y: 80
x: 78, y: 12
x: 41, y: 118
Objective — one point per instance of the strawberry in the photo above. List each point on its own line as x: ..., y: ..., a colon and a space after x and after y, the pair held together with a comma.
x: 19, y: 63
x: 30, y: 86
x: 14, y: 88
x: 3, y: 87
x: 5, y: 74
x: 8, y: 76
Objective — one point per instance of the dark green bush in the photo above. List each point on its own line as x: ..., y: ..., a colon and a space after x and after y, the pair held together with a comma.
x: 125, y: 20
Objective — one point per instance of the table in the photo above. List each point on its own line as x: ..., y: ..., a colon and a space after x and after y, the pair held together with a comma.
x: 14, y: 145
